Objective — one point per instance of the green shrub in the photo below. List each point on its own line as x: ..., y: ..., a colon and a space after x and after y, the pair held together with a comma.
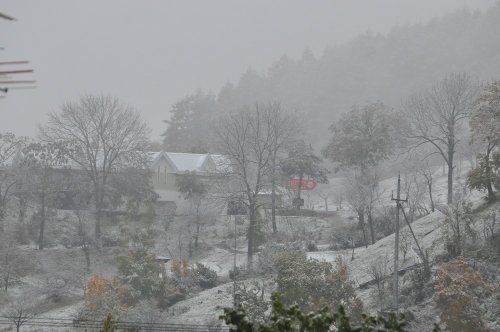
x: 170, y: 292
x: 140, y: 271
x: 313, y: 284
x: 293, y: 319
x: 237, y: 272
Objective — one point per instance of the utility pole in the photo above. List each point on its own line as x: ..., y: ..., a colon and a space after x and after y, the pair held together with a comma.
x: 234, y: 265
x: 396, y: 244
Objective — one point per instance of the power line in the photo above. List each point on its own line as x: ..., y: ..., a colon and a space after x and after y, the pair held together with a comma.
x: 77, y: 323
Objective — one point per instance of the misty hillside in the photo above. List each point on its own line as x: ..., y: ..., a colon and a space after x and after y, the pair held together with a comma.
x: 371, y: 67
x: 329, y: 192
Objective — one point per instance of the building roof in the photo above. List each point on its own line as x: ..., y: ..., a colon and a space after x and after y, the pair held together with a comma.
x: 180, y: 162
x: 193, y: 162
x: 164, y: 259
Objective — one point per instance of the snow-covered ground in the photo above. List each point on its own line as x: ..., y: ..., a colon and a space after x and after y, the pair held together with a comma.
x: 206, y: 306
x: 209, y: 303
x: 427, y: 231
x: 203, y: 308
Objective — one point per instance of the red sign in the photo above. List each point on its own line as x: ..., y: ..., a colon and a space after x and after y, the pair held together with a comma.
x: 304, y: 184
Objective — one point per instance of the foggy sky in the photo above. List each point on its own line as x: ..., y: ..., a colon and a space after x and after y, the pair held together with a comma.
x: 152, y: 53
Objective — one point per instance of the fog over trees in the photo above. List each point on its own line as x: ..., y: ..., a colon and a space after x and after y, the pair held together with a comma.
x: 352, y: 191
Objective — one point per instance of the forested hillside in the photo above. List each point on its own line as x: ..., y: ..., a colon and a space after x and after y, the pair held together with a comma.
x: 371, y: 67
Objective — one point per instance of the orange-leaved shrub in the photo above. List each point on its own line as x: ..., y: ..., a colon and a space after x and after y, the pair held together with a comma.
x: 457, y: 288
x: 104, y: 296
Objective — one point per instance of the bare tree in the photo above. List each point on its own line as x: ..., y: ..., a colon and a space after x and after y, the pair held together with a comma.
x: 10, y: 146
x: 437, y: 116
x: 426, y: 173
x: 13, y: 265
x: 147, y: 313
x: 338, y: 197
x: 379, y: 270
x: 356, y: 196
x: 21, y: 309
x: 405, y: 243
x: 100, y: 135
x: 285, y: 130
x: 459, y: 226
x: 42, y: 181
x: 247, y: 138
x: 361, y: 194
x: 83, y: 236
x: 325, y: 194
x: 195, y: 193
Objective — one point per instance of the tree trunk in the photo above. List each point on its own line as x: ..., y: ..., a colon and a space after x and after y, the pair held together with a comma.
x: 487, y: 166
x: 2, y: 215
x: 6, y: 280
x: 370, y: 224
x: 450, y: 176
x: 273, y: 197
x: 326, y: 204
x: 42, y: 222
x: 429, y: 184
x: 251, y: 233
x: 352, y: 243
x: 97, y: 231
x: 98, y: 216
x: 361, y: 219
x: 23, y: 206
x: 197, y: 233
x: 299, y: 190
x: 459, y: 240
x: 86, y: 252
x: 190, y: 247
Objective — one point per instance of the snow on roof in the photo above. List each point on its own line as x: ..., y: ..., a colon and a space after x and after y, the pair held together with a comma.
x: 191, y: 162
x: 181, y: 162
x: 163, y: 258
x: 154, y: 156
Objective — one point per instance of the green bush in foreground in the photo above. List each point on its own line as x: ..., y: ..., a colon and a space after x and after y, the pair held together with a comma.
x: 292, y: 319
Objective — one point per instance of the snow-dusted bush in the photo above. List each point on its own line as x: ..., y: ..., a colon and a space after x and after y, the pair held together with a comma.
x: 237, y: 273
x: 14, y: 263
x: 171, y: 291
x: 458, y: 230
x: 419, y: 286
x: 311, y: 246
x: 252, y: 298
x: 314, y: 284
x: 204, y: 276
x: 139, y: 270
x: 267, y: 258
x: 379, y: 270
x: 346, y: 237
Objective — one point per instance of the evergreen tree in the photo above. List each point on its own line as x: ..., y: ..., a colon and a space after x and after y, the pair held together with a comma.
x: 189, y: 124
